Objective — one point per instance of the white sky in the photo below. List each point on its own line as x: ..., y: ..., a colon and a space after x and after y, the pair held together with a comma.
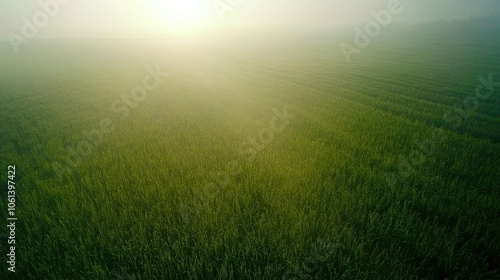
x: 90, y: 16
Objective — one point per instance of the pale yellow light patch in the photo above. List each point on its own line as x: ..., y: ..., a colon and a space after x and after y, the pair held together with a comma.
x: 181, y: 16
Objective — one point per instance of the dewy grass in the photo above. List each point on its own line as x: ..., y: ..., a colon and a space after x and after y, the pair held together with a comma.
x: 118, y: 214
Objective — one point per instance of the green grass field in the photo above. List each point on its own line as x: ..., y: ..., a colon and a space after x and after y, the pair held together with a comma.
x: 197, y: 182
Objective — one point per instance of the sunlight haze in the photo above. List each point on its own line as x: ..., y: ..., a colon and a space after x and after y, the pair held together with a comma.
x: 135, y: 18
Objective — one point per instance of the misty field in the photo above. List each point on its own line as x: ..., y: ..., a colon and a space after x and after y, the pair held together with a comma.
x: 253, y: 159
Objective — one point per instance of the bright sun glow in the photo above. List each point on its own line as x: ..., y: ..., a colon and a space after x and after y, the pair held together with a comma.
x: 181, y: 16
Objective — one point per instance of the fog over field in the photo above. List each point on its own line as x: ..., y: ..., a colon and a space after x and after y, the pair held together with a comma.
x: 231, y: 139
